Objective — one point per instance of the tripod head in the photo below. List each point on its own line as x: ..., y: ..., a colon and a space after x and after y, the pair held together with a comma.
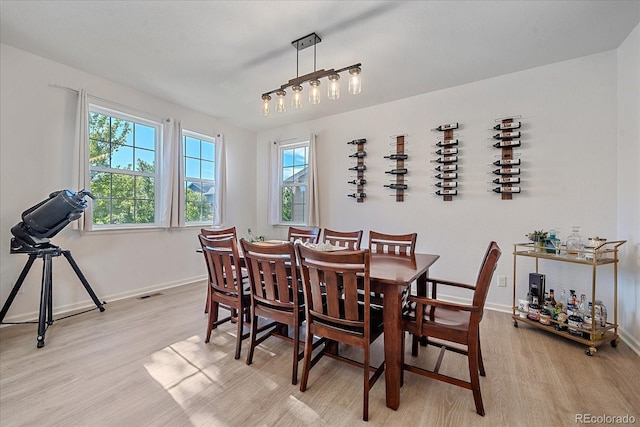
x: 44, y: 220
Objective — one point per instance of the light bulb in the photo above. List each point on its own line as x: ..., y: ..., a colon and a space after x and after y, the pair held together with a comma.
x: 296, y: 98
x: 355, y: 83
x: 334, y: 86
x: 314, y: 92
x: 265, y: 104
x: 280, y: 106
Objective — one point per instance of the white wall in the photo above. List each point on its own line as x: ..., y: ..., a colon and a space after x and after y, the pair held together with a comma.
x: 36, y: 132
x: 628, y: 172
x: 569, y: 161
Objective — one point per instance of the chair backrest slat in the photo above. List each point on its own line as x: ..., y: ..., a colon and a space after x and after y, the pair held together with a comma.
x: 219, y: 233
x: 401, y: 244
x: 310, y: 235
x: 222, y: 259
x: 347, y: 239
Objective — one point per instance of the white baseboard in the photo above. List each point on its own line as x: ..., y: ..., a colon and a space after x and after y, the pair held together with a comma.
x: 87, y: 304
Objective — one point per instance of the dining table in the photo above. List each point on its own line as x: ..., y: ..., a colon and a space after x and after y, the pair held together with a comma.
x: 392, y: 275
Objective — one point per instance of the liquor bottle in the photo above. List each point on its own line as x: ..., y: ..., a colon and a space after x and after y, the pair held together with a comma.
x: 446, y: 193
x: 357, y: 195
x: 507, y: 135
x: 446, y: 168
x: 506, y: 126
x: 358, y: 168
x: 448, y: 126
x: 357, y: 141
x: 506, y: 180
x: 447, y: 175
x: 446, y: 151
x: 397, y: 157
x: 507, y: 162
x: 503, y: 144
x: 447, y: 142
x: 447, y: 184
x: 359, y: 154
x: 397, y: 186
x: 401, y: 171
x: 445, y: 159
x: 506, y: 189
x: 507, y: 171
x: 358, y: 182
x: 552, y: 298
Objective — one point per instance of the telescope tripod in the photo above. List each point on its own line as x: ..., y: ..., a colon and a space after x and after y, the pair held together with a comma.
x: 45, y: 318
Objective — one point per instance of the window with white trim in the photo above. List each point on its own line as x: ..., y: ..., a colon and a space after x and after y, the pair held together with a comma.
x: 293, y: 169
x: 199, y: 154
x: 123, y: 167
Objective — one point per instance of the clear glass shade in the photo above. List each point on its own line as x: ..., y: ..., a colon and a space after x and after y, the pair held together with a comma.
x: 314, y: 92
x: 280, y: 106
x: 334, y: 87
x: 355, y: 82
x: 296, y: 98
x: 265, y: 105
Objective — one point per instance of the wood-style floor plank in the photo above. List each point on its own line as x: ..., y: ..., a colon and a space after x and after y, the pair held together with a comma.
x: 145, y: 363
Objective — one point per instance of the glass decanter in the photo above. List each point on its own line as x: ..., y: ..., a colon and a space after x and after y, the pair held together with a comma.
x: 575, y: 242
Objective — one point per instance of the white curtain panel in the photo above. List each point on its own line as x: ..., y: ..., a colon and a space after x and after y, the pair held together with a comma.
x: 221, y: 181
x: 313, y: 218
x: 81, y: 158
x: 171, y: 194
x: 274, y: 184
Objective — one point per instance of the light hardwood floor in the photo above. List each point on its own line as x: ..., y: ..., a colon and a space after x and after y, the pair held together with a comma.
x: 145, y: 363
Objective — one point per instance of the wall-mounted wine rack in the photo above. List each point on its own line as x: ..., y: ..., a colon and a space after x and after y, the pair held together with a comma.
x: 359, y: 168
x: 447, y: 169
x: 400, y: 169
x: 508, y: 172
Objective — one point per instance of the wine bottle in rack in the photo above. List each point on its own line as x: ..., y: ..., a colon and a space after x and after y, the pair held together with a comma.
x: 505, y: 143
x: 400, y: 171
x: 397, y: 157
x: 358, y: 168
x: 357, y: 182
x: 448, y: 126
x: 447, y: 184
x: 447, y: 175
x: 507, y: 126
x: 357, y: 195
x: 359, y: 154
x: 446, y: 151
x: 507, y: 190
x: 357, y: 141
x: 447, y: 143
x: 506, y: 180
x: 446, y: 192
x: 507, y: 171
x: 506, y: 135
x: 397, y: 186
x: 445, y: 159
x: 506, y: 162
x: 446, y: 168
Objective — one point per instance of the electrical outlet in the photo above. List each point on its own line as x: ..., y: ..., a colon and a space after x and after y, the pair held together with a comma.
x: 502, y: 281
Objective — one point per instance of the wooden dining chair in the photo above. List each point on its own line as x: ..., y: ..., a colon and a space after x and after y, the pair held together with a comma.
x: 227, y: 286
x: 217, y: 233
x: 307, y: 235
x: 399, y: 244
x: 276, y: 294
x: 453, y: 323
x: 335, y: 312
x: 346, y: 239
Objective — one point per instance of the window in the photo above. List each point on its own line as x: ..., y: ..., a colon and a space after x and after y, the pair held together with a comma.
x: 294, y: 178
x: 199, y: 177
x: 123, y: 167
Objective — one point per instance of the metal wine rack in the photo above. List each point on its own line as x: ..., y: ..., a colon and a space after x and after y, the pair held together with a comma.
x: 508, y: 172
x: 359, y: 168
x: 399, y: 184
x: 447, y: 169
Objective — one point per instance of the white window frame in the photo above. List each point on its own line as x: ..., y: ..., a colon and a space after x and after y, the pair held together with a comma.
x: 281, y: 185
x: 214, y: 181
x: 157, y: 176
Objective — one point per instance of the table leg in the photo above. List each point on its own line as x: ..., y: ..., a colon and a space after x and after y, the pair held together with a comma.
x: 392, y: 314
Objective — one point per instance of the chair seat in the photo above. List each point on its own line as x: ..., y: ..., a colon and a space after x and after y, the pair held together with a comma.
x: 376, y: 321
x: 437, y: 316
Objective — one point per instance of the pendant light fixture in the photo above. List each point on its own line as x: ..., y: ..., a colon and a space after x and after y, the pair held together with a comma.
x: 313, y: 78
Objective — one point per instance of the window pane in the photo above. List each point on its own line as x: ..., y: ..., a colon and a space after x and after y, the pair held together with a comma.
x: 192, y: 168
x: 121, y: 132
x: 145, y: 212
x: 101, y: 185
x: 145, y: 187
x: 300, y: 156
x: 298, y: 204
x: 287, y: 193
x: 122, y: 157
x: 207, y: 170
x: 192, y: 147
x: 145, y: 160
x: 122, y: 211
x: 101, y: 211
x: 287, y: 173
x: 287, y: 158
x: 208, y: 150
x: 122, y: 186
x: 145, y: 137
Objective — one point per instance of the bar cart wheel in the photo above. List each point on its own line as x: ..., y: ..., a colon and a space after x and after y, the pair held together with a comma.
x: 515, y: 323
x: 591, y: 351
x: 614, y: 343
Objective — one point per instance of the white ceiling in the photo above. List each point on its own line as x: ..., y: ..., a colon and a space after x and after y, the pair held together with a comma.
x: 218, y: 57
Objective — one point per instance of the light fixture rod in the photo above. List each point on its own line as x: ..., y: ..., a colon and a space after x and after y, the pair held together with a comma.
x: 316, y: 75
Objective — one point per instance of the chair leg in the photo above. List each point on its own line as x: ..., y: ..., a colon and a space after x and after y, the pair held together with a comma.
x: 212, y: 318
x: 475, y: 378
x: 252, y: 340
x: 414, y: 345
x: 239, y: 335
x: 296, y: 352
x: 308, y: 350
x: 365, y: 400
x: 480, y: 362
x: 402, y: 360
x: 208, y: 303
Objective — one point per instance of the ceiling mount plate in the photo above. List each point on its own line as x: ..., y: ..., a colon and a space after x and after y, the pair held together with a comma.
x: 306, y: 41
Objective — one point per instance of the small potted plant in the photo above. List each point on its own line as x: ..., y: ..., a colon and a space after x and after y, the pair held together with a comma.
x: 253, y: 238
x: 539, y: 239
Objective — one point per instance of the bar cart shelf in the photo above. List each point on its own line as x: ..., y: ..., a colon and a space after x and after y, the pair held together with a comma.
x: 594, y: 336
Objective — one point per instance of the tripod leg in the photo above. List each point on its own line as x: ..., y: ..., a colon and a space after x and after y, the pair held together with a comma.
x: 50, y: 293
x: 44, y: 297
x: 16, y: 287
x: 72, y: 262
